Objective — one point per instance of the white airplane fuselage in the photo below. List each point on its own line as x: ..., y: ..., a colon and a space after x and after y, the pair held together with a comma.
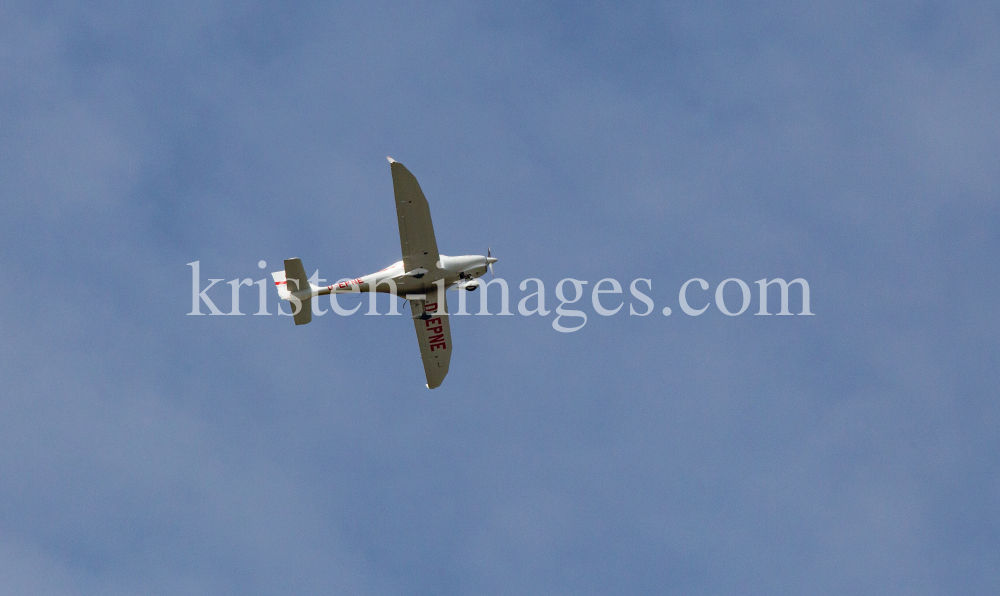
x: 457, y: 272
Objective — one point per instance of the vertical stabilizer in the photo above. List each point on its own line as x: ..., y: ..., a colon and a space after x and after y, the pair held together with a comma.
x: 279, y: 282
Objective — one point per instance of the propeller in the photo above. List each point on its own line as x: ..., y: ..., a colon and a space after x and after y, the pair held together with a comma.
x: 490, y: 261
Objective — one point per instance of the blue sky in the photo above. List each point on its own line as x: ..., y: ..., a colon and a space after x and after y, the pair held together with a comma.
x: 854, y: 145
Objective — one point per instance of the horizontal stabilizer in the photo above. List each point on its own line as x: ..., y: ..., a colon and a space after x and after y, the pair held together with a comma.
x: 297, y: 283
x: 302, y: 310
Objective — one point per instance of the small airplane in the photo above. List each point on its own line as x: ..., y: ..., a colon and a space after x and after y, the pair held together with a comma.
x: 420, y: 278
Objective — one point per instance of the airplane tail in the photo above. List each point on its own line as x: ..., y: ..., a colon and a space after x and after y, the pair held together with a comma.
x: 293, y: 285
x: 279, y: 282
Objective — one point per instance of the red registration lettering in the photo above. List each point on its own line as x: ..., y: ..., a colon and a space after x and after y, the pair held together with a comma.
x: 436, y: 346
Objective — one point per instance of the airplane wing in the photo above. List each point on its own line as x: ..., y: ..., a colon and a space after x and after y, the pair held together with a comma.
x: 434, y: 335
x: 416, y: 232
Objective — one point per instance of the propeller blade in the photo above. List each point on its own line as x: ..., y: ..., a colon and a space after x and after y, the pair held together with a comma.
x: 488, y: 255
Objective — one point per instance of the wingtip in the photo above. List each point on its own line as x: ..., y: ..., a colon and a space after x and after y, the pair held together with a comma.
x: 391, y: 160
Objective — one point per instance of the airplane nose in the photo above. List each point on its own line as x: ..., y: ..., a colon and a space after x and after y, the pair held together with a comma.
x: 491, y: 260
